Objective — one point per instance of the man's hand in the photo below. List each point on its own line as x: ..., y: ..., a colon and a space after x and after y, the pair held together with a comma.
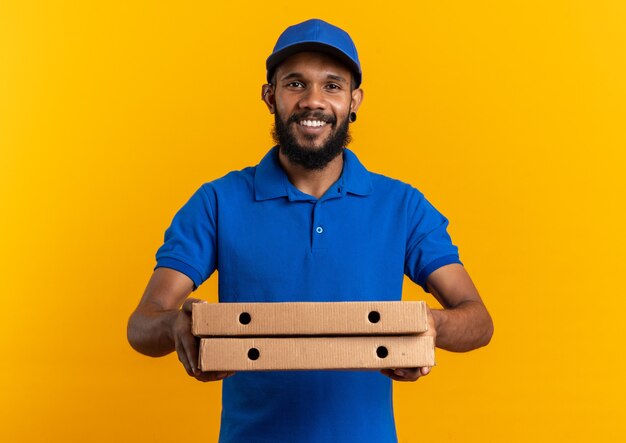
x: 412, y: 374
x: 158, y: 327
x: 187, y: 345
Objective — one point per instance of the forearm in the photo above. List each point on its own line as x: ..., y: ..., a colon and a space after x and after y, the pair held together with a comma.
x: 150, y: 331
x: 464, y: 327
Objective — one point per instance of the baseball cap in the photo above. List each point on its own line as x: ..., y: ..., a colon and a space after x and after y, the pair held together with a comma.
x: 315, y: 35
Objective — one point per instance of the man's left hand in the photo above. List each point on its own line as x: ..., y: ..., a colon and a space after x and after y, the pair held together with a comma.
x: 412, y: 374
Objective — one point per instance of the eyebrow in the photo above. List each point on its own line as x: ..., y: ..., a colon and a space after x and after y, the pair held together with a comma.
x: 338, y: 78
x: 293, y: 75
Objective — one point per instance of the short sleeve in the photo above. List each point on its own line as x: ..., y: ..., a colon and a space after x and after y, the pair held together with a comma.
x: 428, y: 246
x: 190, y: 241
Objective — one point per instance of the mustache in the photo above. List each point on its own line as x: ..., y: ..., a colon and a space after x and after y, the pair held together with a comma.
x: 295, y: 118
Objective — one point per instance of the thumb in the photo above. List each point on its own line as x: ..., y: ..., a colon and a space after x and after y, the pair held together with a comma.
x: 189, y: 302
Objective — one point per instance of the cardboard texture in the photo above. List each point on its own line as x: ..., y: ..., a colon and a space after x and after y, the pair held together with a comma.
x: 308, y: 318
x: 254, y: 354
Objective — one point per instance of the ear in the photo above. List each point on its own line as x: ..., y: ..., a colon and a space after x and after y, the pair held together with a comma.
x: 267, y: 95
x: 357, y: 98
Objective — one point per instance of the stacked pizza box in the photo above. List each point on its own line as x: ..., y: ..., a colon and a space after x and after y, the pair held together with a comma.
x: 303, y: 335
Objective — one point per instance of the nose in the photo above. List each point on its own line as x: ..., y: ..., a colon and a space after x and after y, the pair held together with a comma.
x: 313, y: 98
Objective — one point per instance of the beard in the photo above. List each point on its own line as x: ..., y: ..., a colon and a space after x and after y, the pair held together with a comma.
x: 314, y: 158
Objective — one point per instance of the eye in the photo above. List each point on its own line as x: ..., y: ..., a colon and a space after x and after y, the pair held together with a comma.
x: 333, y: 86
x: 295, y: 84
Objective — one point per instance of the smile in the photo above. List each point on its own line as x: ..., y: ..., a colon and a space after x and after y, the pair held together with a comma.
x: 312, y: 123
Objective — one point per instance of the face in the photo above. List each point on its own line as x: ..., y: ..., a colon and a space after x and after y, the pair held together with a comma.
x: 312, y: 100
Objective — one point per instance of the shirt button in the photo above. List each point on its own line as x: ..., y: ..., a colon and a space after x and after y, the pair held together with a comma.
x: 319, y: 229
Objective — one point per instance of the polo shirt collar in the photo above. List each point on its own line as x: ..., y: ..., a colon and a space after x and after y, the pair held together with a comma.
x: 356, y: 179
x: 270, y: 180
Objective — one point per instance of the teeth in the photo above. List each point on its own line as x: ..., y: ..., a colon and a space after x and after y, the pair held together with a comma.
x: 312, y: 123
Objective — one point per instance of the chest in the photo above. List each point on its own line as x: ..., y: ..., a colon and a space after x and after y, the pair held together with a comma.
x: 325, y: 250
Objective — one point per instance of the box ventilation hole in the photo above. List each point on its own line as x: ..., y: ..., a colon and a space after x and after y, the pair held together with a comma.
x: 382, y: 352
x: 374, y: 317
x: 244, y: 318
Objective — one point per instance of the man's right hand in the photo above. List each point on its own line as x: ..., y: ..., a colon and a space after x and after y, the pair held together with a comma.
x: 157, y: 326
x: 187, y: 345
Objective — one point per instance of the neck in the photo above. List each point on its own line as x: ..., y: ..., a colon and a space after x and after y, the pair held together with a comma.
x: 312, y: 182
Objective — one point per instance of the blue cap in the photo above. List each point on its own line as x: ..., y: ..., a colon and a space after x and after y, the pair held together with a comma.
x: 315, y: 35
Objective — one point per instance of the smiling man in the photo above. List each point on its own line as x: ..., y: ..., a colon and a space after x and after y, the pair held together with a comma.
x: 311, y: 127
x: 313, y: 99
x: 308, y: 223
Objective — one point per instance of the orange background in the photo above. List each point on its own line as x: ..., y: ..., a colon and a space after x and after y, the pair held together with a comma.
x: 509, y: 116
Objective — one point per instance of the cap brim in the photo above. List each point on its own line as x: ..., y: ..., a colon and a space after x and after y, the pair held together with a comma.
x: 277, y: 58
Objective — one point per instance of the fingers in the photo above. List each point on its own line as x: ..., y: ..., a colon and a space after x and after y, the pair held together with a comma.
x: 190, y: 346
x: 185, y: 343
x: 406, y: 374
x: 187, y: 351
x: 213, y: 376
x: 187, y: 346
x: 182, y: 357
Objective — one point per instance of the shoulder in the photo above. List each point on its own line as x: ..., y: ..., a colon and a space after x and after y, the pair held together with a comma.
x: 404, y: 198
x: 394, y: 189
x: 233, y: 183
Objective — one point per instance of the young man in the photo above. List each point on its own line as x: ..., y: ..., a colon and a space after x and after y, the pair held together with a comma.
x: 308, y: 223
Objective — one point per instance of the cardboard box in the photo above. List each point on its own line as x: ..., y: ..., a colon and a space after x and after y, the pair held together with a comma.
x: 305, y: 318
x: 254, y: 354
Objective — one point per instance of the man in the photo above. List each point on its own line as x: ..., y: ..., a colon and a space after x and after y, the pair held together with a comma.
x: 309, y: 223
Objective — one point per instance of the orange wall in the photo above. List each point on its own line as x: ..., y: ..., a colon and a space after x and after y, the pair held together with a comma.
x: 509, y: 116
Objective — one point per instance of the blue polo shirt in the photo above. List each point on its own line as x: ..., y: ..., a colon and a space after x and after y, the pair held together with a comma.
x: 271, y: 242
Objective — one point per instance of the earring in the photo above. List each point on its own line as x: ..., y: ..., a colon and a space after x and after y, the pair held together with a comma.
x: 352, y: 117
